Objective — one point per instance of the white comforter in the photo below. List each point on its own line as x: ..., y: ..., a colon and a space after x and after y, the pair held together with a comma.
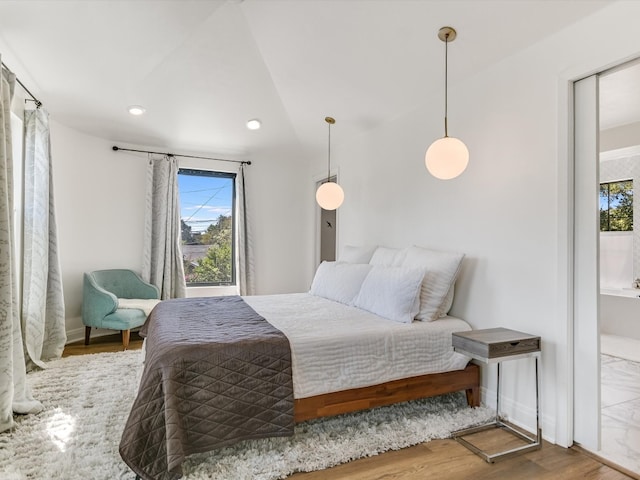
x: 336, y: 347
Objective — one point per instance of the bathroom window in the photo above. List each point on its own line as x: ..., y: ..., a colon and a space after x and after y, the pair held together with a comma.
x: 616, y: 206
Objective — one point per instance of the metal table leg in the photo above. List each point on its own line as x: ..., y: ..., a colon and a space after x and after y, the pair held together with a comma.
x: 533, y: 443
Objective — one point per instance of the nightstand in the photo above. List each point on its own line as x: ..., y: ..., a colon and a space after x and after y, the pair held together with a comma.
x: 496, y: 345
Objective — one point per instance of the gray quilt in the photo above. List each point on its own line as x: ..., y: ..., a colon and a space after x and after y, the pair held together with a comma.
x: 215, y: 373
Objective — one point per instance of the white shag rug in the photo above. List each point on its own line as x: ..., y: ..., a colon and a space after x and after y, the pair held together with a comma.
x: 87, y: 400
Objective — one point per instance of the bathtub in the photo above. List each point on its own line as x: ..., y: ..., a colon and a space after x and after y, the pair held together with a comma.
x: 620, y: 312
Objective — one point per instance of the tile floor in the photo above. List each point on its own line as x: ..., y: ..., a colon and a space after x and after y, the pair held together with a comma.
x: 620, y: 395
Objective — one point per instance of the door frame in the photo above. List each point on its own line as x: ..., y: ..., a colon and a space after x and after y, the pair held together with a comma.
x: 565, y: 365
x: 317, y: 214
x: 586, y: 264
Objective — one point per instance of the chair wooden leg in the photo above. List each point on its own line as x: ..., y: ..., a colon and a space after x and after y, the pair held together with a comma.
x: 87, y: 334
x: 125, y: 338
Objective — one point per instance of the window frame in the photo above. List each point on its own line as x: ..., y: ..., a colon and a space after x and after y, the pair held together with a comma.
x: 199, y: 172
x: 608, y: 209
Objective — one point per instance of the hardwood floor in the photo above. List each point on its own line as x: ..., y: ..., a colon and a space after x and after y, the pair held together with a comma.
x: 444, y: 459
x: 447, y: 459
x: 107, y: 343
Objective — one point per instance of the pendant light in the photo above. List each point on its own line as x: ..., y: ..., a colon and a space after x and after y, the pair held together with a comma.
x: 447, y: 157
x: 329, y: 195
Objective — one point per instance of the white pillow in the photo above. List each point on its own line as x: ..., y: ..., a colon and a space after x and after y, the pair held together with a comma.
x: 391, y: 292
x: 353, y: 254
x: 441, y: 270
x: 448, y: 301
x: 339, y: 281
x: 388, y: 257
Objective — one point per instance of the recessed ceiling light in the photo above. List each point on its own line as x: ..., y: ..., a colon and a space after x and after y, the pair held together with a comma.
x: 136, y: 109
x: 254, y: 124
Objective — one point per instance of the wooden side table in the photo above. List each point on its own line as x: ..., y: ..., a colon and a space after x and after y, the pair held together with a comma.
x: 496, y: 345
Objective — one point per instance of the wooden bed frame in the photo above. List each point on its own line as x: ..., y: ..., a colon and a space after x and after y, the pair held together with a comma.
x: 391, y: 392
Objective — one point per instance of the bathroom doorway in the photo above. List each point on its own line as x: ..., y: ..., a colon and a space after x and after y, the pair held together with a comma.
x: 619, y: 252
x: 606, y: 263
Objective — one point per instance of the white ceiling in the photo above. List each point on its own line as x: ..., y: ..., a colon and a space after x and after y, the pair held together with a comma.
x: 620, y: 96
x: 202, y: 68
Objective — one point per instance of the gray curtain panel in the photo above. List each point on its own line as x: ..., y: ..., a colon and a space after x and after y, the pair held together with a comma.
x: 43, y: 326
x: 245, y: 248
x: 162, y: 257
x: 14, y: 393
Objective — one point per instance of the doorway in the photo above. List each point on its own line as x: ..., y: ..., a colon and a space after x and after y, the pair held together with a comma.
x: 607, y: 152
x: 619, y: 177
x: 327, y: 229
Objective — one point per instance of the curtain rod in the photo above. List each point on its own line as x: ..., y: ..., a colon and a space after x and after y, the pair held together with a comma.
x: 244, y: 162
x: 38, y: 102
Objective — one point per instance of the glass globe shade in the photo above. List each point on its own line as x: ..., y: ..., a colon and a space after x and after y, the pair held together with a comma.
x: 329, y: 195
x: 446, y: 158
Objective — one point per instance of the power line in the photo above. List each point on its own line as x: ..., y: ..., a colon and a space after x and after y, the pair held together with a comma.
x: 206, y: 189
x: 203, y: 205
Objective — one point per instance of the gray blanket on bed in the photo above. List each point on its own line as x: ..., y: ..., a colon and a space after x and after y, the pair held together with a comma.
x: 215, y: 373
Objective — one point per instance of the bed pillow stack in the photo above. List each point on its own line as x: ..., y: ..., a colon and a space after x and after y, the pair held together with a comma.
x: 388, y: 257
x: 397, y: 284
x: 391, y: 292
x: 339, y: 281
x: 353, y: 254
x: 440, y: 272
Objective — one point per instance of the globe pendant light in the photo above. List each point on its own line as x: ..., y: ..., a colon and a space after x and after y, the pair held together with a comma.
x: 329, y: 195
x: 447, y: 157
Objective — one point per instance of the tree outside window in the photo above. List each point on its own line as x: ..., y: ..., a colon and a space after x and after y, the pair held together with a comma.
x: 616, y: 206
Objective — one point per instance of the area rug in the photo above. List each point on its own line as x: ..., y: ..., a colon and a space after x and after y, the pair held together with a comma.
x: 87, y: 400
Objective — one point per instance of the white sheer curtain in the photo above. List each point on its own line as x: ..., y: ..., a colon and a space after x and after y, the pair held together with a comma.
x: 162, y: 257
x: 245, y: 248
x: 14, y: 392
x: 43, y: 326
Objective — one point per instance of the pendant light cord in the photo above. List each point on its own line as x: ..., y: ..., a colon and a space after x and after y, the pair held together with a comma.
x: 329, y: 155
x: 330, y: 121
x: 446, y: 82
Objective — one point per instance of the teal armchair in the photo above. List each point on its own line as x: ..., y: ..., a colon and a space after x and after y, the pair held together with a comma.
x: 101, y: 307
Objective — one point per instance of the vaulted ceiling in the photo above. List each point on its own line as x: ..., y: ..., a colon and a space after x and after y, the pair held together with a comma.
x: 202, y: 68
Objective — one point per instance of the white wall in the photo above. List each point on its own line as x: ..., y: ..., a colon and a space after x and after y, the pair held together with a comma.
x: 620, y: 137
x: 616, y: 165
x: 100, y: 198
x: 509, y: 211
x: 616, y: 260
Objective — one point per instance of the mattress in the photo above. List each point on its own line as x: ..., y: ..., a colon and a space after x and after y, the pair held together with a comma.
x: 336, y: 347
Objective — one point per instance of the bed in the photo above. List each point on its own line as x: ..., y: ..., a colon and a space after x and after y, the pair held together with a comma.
x: 351, y: 343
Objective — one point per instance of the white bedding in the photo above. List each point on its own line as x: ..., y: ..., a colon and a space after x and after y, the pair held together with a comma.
x: 336, y: 347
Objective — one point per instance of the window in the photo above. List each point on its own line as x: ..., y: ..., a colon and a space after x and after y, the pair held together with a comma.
x: 616, y: 206
x: 207, y: 211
